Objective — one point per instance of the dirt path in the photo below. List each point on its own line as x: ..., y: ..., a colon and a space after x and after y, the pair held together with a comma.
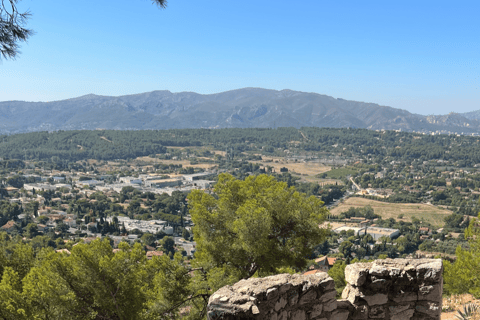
x: 303, y: 135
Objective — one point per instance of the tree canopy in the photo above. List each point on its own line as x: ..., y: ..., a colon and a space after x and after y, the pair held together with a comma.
x: 255, y: 225
x: 463, y: 276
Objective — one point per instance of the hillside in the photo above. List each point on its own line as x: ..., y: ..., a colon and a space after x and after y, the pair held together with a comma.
x: 242, y: 108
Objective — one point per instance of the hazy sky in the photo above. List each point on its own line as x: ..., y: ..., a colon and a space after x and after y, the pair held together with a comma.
x: 422, y: 56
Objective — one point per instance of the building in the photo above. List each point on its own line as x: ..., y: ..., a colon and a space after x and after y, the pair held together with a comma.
x: 375, y: 232
x: 131, y: 180
x: 325, y: 263
x: 9, y: 226
x: 90, y: 183
x: 162, y: 183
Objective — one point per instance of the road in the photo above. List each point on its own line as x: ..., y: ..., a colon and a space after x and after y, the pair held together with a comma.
x: 187, y: 245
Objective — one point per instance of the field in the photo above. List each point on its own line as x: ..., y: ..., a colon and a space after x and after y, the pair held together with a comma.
x: 302, y: 168
x: 429, y: 213
x: 340, y: 173
x: 184, y: 163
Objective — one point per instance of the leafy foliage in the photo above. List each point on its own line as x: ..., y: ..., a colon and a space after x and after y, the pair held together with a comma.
x: 463, y: 276
x: 257, y: 224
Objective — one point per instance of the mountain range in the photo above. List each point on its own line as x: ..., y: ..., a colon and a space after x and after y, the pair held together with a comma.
x: 242, y: 108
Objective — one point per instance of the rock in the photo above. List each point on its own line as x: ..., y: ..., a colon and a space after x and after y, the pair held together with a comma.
x: 316, y: 311
x: 431, y: 271
x: 255, y: 309
x: 397, y: 289
x: 330, y: 305
x: 280, y: 304
x: 356, y: 274
x: 377, y: 312
x: 308, y: 297
x: 431, y: 293
x: 431, y: 309
x: 376, y: 299
x: 404, y: 315
x: 339, y: 315
x: 298, y: 315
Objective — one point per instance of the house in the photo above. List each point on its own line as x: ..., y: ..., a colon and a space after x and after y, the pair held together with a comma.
x: 70, y: 222
x: 42, y: 227
x: 9, y: 226
x: 151, y: 254
x: 324, y: 263
x: 92, y: 225
x: 424, y: 230
x: 312, y: 272
x: 11, y: 190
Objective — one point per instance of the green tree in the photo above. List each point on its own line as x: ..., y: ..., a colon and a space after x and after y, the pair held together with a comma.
x: 31, y: 230
x: 148, y: 239
x: 168, y: 245
x: 185, y: 234
x: 463, y: 276
x: 337, y: 272
x: 256, y: 225
x: 43, y: 219
x: 91, y: 283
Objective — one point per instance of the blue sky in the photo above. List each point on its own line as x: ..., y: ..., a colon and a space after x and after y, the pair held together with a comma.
x: 422, y: 56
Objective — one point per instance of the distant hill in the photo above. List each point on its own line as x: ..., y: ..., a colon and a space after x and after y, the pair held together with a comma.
x: 242, y: 108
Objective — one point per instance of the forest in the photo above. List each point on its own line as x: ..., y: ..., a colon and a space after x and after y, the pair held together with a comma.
x: 112, y: 144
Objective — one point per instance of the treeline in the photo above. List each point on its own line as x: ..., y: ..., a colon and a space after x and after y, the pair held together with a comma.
x: 111, y: 144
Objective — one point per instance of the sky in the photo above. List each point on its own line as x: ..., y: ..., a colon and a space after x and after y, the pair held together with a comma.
x: 421, y: 56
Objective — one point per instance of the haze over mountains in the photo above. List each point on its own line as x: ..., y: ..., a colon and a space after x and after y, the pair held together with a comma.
x: 242, y: 108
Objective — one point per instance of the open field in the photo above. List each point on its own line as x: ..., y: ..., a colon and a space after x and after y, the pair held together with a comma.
x: 303, y: 168
x: 322, y: 182
x: 429, y: 213
x: 340, y: 173
x: 184, y: 163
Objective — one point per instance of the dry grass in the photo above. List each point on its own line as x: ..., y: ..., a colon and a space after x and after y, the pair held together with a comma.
x: 303, y: 168
x: 321, y: 181
x: 450, y: 306
x: 184, y: 163
x: 428, y: 213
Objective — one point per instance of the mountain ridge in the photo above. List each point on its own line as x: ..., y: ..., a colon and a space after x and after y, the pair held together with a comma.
x: 241, y: 108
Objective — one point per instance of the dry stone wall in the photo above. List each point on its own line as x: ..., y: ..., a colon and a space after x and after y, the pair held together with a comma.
x: 396, y: 289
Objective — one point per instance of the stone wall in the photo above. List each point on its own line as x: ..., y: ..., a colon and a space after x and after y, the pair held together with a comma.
x: 396, y: 289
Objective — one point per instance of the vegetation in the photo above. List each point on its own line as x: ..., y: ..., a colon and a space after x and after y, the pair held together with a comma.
x: 463, y: 275
x: 263, y: 227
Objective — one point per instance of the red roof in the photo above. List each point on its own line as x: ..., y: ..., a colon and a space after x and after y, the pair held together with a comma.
x: 9, y: 224
x: 311, y: 272
x: 326, y: 261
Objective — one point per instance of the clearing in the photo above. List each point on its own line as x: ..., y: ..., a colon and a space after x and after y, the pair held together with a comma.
x: 300, y: 167
x: 386, y: 210
x: 184, y: 163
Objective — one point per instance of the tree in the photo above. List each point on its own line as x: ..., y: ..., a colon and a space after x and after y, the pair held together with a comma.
x: 256, y: 225
x: 31, y: 230
x: 43, y: 219
x: 346, y: 248
x: 13, y: 27
x: 337, y: 272
x: 463, y: 276
x: 185, y: 234
x: 148, y: 239
x: 168, y: 245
